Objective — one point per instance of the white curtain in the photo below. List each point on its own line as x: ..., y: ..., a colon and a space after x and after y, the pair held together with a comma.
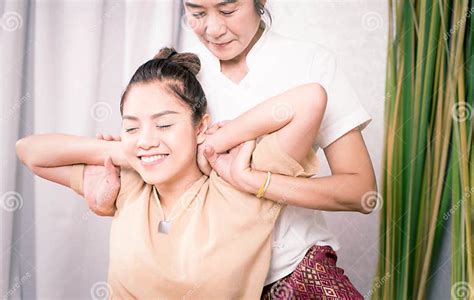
x: 63, y: 66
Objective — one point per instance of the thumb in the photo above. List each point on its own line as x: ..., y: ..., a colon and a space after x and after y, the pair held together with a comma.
x: 245, y: 154
x: 222, y: 123
x: 109, y: 166
x: 210, y: 155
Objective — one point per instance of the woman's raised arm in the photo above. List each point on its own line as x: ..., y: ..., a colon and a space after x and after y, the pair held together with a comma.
x: 51, y: 157
x: 296, y: 114
x: 352, y: 185
x: 57, y: 150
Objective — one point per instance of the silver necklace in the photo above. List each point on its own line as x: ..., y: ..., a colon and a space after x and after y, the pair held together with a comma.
x: 164, y: 226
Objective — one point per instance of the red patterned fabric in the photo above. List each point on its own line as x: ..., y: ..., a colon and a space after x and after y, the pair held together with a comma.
x: 316, y: 277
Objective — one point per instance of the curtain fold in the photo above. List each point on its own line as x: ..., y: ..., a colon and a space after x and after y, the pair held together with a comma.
x: 15, y: 94
x: 79, y: 55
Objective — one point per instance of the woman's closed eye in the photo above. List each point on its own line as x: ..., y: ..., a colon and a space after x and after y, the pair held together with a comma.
x: 198, y: 14
x: 130, y: 129
x: 228, y: 13
x: 163, y: 127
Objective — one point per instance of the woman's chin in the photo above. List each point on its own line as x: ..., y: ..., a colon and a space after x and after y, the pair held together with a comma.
x: 155, y: 179
x: 223, y: 54
x: 152, y: 176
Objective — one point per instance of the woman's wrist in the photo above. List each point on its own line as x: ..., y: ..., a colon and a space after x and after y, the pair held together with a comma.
x: 251, y: 181
x: 114, y: 150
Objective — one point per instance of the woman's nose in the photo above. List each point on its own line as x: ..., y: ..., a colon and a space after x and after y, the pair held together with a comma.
x: 215, y: 27
x: 148, y: 138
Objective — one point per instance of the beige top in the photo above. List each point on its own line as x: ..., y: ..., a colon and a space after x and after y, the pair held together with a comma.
x: 219, y: 245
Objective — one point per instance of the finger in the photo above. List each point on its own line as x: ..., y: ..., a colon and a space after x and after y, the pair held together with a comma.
x: 113, y: 137
x: 236, y: 149
x: 117, y: 138
x: 204, y: 165
x: 108, y: 137
x: 108, y: 164
x: 223, y: 123
x: 249, y: 146
x: 210, y: 155
x: 110, y: 167
x: 99, y: 136
x: 212, y: 129
x: 244, y: 156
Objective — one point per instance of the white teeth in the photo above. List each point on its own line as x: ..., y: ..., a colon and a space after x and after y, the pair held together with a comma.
x: 152, y: 158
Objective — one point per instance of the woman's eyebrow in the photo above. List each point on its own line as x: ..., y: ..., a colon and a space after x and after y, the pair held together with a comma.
x: 154, y: 116
x: 222, y: 3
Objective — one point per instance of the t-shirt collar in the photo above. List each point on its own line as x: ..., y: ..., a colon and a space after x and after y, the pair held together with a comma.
x: 186, y: 198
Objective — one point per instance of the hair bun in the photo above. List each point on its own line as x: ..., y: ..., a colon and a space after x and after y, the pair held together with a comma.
x: 189, y: 61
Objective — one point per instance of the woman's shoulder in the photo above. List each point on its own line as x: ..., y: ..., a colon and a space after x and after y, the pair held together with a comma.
x: 129, y: 174
x: 130, y: 182
x: 132, y: 188
x: 269, y: 156
x: 306, y: 59
x: 289, y: 45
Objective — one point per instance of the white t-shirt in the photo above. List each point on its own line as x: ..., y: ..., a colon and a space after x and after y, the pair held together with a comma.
x: 276, y: 64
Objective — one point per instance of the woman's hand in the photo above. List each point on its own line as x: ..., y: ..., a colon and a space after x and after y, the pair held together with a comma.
x: 102, y: 183
x: 203, y: 163
x: 101, y: 187
x: 119, y: 158
x: 234, y: 166
x: 216, y: 126
x: 108, y: 137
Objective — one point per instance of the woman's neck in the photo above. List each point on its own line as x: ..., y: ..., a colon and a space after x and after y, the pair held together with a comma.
x: 236, y: 68
x: 172, y: 190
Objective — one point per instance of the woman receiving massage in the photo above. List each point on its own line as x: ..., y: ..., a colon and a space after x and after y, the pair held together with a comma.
x: 177, y: 232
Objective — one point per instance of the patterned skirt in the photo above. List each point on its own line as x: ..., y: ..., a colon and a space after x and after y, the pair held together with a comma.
x: 316, y: 277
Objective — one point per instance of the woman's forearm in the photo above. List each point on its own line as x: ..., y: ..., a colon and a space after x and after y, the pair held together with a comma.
x: 55, y: 150
x: 341, y: 192
x: 269, y: 116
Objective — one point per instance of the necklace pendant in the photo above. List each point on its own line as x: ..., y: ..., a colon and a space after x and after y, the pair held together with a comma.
x: 164, y: 227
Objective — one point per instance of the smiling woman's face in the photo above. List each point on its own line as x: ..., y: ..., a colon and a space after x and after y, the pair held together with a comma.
x: 225, y: 27
x: 158, y: 134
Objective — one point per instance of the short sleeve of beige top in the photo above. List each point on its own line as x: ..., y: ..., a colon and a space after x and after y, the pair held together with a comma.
x: 219, y: 245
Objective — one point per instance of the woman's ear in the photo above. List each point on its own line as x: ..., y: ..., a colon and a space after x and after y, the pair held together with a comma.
x: 201, y: 128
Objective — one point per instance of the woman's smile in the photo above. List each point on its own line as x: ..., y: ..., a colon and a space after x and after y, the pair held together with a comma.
x: 220, y: 45
x: 152, y: 160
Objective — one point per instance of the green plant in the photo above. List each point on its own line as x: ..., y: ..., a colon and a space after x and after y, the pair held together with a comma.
x: 428, y: 176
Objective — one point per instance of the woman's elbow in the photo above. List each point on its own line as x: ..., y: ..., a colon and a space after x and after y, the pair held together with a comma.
x: 370, y: 200
x: 317, y: 97
x: 26, y: 154
x: 20, y: 148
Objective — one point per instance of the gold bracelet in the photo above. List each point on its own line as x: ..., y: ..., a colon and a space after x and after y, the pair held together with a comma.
x: 264, y: 186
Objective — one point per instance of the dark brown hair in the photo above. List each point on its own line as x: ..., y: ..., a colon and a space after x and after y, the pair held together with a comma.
x: 178, y: 72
